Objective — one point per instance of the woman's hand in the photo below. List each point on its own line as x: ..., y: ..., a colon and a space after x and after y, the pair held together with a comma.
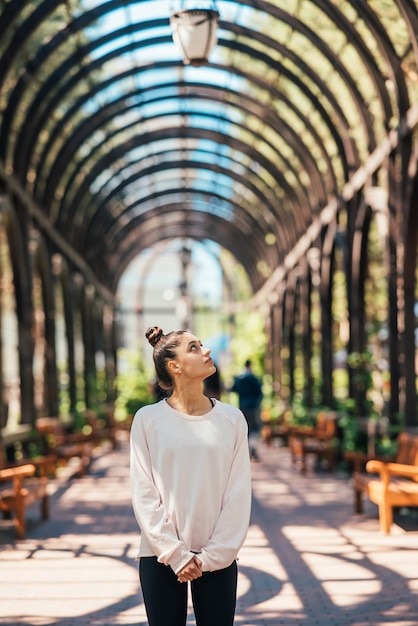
x: 191, y: 571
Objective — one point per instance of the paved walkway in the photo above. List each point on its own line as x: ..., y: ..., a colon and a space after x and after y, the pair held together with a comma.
x: 307, y: 560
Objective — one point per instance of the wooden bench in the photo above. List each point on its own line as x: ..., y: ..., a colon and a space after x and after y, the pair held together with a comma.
x: 66, y: 446
x: 390, y: 484
x: 277, y: 428
x: 21, y: 490
x: 23, y: 447
x: 318, y: 440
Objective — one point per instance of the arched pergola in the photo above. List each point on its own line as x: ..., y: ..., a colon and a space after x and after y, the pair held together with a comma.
x: 109, y: 144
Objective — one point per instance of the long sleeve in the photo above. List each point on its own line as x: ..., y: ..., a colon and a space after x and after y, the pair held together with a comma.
x: 232, y: 525
x: 150, y: 513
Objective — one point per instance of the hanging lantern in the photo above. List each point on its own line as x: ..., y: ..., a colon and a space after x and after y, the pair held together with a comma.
x: 194, y: 32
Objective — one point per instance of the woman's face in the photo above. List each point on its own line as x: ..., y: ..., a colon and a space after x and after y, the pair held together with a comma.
x: 193, y: 360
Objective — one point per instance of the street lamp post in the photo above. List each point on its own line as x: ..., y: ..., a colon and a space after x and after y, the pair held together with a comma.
x: 184, y: 302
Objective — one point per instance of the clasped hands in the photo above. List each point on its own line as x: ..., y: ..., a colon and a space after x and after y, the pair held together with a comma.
x: 191, y: 571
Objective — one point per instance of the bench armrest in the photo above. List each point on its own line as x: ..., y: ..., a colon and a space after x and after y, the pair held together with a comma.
x: 21, y: 471
x: 17, y: 474
x: 386, y: 470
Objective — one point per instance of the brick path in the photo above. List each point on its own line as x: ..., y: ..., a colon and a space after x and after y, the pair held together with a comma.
x: 307, y: 560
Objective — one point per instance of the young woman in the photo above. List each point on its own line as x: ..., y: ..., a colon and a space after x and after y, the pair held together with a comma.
x: 191, y: 489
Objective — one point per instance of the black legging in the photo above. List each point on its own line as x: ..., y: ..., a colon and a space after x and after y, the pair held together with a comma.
x: 213, y: 595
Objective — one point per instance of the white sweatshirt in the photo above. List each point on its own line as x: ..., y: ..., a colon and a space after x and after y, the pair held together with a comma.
x: 191, y: 484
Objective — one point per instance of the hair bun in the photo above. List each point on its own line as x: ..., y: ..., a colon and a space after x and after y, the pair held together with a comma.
x: 154, y: 334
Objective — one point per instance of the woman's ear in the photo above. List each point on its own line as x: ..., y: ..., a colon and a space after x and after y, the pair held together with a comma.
x: 173, y: 367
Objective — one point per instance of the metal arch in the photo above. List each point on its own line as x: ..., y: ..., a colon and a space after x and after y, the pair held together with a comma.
x: 172, y: 132
x: 25, y: 29
x: 20, y: 149
x: 9, y: 13
x: 25, y: 131
x: 265, y: 86
x: 409, y: 12
x: 157, y: 228
x: 99, y: 167
x: 114, y: 108
x: 81, y: 22
x: 269, y: 227
x: 341, y: 21
x: 76, y: 206
x: 156, y: 135
x: 244, y: 222
x: 101, y: 226
x: 248, y: 228
x: 329, y: 10
x: 240, y: 178
x: 281, y: 14
x: 387, y: 51
x: 223, y: 204
x: 195, y: 229
x: 207, y: 92
x: 176, y: 212
x: 357, y: 99
x: 202, y: 201
x: 344, y: 147
x: 240, y: 205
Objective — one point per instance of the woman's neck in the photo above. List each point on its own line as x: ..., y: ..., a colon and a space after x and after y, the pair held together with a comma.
x: 189, y: 401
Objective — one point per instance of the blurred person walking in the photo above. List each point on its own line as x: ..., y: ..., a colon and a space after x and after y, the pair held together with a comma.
x: 250, y: 394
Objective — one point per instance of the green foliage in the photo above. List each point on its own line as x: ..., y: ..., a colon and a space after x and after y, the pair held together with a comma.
x: 354, y: 439
x: 97, y: 387
x: 79, y: 419
x: 272, y: 407
x: 386, y: 444
x: 132, y: 385
x: 355, y: 435
x: 301, y: 415
x: 360, y: 363
x: 249, y: 342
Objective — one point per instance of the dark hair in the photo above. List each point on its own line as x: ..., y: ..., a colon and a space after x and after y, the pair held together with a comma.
x: 247, y: 363
x: 165, y: 348
x: 212, y: 385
